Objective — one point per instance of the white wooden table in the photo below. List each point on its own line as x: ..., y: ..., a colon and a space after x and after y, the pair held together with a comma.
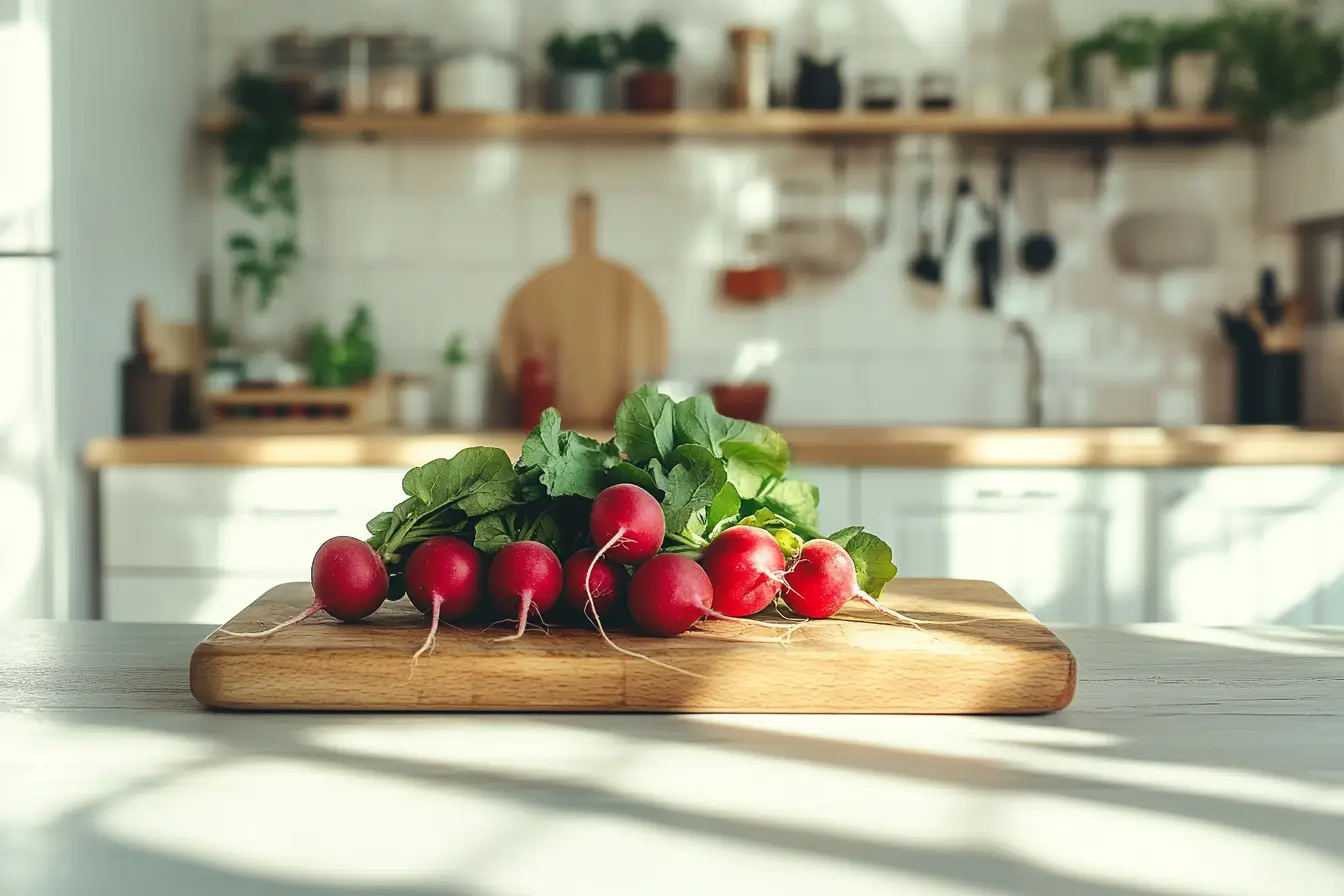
x: 1194, y: 761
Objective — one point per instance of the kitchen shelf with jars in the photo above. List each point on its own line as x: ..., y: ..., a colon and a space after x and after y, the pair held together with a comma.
x: 1132, y: 79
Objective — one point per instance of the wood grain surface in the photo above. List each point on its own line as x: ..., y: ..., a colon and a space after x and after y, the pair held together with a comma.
x: 854, y: 446
x: 1001, y: 661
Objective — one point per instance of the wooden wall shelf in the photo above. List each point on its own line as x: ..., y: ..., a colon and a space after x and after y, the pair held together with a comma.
x: 1062, y: 125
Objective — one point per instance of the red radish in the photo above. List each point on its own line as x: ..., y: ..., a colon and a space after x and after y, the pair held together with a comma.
x: 444, y: 579
x: 525, y: 578
x: 746, y: 566
x: 822, y: 580
x: 628, y: 522
x: 669, y: 594
x: 598, y: 581
x: 349, y: 582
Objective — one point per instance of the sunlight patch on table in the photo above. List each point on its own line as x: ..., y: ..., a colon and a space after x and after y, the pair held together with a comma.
x: 50, y: 770
x: 314, y: 823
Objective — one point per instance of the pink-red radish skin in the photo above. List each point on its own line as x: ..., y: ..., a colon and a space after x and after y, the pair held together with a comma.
x: 745, y: 566
x: 822, y: 580
x: 627, y: 524
x: 606, y: 580
x: 669, y: 594
x: 525, y: 580
x: 444, y: 578
x: 349, y: 583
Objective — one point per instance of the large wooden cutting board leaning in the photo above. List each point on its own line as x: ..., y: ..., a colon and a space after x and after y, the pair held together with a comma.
x: 595, y: 324
x: 1002, y: 660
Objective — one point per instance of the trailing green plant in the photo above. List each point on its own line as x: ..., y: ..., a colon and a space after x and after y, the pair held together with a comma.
x: 1281, y: 63
x: 592, y: 52
x: 258, y: 151
x: 455, y: 351
x: 347, y: 361
x: 1132, y: 40
x: 651, y: 46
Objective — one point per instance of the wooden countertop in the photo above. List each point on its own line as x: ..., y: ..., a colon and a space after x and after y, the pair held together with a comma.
x: 914, y: 446
x: 1193, y: 760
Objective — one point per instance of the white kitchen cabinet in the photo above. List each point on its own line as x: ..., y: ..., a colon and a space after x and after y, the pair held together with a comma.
x: 183, y: 544
x: 1246, y: 545
x: 1068, y: 544
x: 838, y: 486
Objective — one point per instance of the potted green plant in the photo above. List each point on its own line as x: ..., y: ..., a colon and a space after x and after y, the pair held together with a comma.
x: 1191, y: 49
x: 653, y: 87
x: 464, y: 398
x: 1281, y: 64
x: 579, y: 70
x: 1117, y: 66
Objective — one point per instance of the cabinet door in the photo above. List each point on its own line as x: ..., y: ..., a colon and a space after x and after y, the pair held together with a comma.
x: 837, y: 485
x: 1239, y: 546
x: 172, y: 597
x: 1044, y: 536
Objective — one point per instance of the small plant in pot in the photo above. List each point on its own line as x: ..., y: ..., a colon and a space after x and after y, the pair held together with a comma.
x: 653, y: 88
x: 1116, y: 68
x: 1191, y: 50
x: 579, y: 69
x: 464, y: 399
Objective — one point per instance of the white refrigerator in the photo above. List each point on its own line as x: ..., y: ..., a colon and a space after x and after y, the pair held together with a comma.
x: 29, y: 516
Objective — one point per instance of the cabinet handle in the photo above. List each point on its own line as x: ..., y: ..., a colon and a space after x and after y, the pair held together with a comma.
x: 1028, y: 495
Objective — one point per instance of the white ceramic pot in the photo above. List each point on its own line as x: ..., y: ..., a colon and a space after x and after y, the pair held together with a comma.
x: 1192, y: 80
x: 1038, y: 96
x: 414, y: 405
x: 581, y: 93
x: 1144, y: 87
x: 1100, y: 78
x: 464, y: 396
x: 477, y: 81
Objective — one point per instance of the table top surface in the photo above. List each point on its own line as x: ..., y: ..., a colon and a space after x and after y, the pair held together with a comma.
x: 1201, y: 761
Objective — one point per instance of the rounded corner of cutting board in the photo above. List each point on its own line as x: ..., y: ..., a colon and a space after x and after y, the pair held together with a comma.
x: 200, y: 675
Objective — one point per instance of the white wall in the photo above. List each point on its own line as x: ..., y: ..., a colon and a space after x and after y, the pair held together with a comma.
x: 129, y: 217
x: 437, y: 235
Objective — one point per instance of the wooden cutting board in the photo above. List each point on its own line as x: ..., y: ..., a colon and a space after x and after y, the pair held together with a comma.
x: 596, y: 324
x: 1002, y: 661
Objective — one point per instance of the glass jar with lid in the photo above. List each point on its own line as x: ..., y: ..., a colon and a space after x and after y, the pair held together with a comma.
x: 398, y: 65
x: 297, y: 63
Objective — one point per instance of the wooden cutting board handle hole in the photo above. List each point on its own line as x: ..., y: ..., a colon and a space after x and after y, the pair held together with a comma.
x: 582, y: 214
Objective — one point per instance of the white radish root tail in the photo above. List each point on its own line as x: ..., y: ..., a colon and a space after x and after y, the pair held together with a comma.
x: 788, y: 629
x: 916, y: 623
x: 590, y: 609
x: 522, y: 620
x: 428, y: 646
x: 275, y: 628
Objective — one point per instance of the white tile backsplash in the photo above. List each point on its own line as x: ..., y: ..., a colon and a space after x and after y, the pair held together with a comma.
x: 437, y: 235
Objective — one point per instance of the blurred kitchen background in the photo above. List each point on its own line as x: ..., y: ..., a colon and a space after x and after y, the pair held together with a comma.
x: 1043, y: 292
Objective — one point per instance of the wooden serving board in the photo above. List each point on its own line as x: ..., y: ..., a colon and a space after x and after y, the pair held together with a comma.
x: 1001, y: 661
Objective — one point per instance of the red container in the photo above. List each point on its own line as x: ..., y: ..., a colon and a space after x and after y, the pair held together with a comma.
x: 745, y: 401
x: 536, y: 392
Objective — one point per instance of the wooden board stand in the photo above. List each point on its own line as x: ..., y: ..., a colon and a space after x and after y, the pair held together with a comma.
x: 1002, y: 660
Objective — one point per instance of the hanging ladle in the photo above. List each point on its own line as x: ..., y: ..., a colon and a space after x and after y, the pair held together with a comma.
x: 925, y: 266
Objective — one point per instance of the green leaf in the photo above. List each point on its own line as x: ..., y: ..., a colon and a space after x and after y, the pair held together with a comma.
x: 789, y: 542
x: 692, y: 484
x: 659, y: 475
x: 570, y: 464
x: 723, y: 509
x: 757, y: 454
x: 761, y: 519
x: 696, y: 422
x: 644, y: 426
x: 494, y: 531
x: 242, y: 242
x: 795, y: 499
x: 381, y: 526
x: 872, y: 559
x: 476, y: 481
x: 628, y: 472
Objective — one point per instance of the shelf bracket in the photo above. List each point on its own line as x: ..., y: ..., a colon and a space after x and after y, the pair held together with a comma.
x: 1098, y: 158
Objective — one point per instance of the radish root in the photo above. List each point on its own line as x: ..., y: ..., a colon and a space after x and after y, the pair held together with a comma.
x: 522, y: 621
x: 590, y: 609
x: 789, y: 629
x: 275, y: 628
x: 916, y: 623
x: 431, y: 637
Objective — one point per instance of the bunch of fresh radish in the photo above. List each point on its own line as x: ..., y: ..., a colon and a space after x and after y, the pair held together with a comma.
x: 684, y: 515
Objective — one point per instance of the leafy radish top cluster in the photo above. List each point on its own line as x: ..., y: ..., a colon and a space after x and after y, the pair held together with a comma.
x: 708, y: 473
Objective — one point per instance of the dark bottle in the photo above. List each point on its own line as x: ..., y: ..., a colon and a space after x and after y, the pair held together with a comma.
x: 818, y: 86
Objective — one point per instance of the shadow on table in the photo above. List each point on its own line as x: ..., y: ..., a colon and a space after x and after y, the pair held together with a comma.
x: 1159, y: 748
